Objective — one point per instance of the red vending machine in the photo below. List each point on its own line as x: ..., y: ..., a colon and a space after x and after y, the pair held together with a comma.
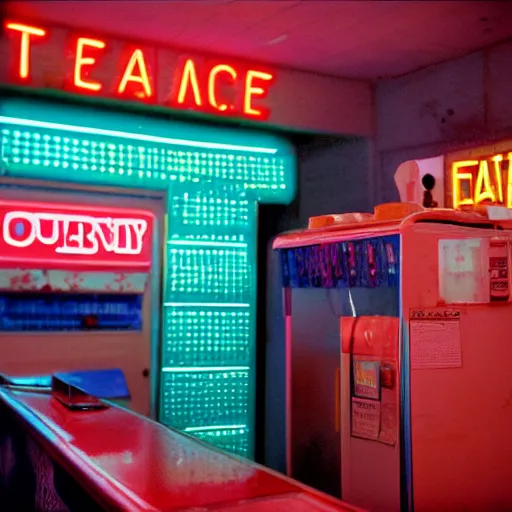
x: 398, y: 357
x: 73, y: 280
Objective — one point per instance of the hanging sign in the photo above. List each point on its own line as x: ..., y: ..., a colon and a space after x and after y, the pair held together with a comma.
x: 55, y: 58
x: 47, y: 235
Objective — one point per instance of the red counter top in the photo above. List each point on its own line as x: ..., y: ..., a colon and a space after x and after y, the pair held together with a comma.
x: 128, y: 462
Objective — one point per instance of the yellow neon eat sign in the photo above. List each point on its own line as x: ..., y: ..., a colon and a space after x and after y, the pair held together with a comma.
x: 487, y: 181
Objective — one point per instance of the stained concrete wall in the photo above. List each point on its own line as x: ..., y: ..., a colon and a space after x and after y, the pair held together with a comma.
x: 335, y: 177
x: 450, y: 106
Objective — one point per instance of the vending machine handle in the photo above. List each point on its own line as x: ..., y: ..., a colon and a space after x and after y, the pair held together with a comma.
x: 337, y: 398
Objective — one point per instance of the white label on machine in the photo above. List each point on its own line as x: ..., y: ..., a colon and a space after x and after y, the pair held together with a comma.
x: 365, y: 418
x: 464, y: 271
x: 435, y: 344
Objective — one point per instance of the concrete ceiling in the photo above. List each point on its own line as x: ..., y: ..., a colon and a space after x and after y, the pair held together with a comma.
x: 354, y: 39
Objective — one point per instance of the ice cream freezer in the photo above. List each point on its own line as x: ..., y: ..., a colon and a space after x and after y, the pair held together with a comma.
x: 398, y: 358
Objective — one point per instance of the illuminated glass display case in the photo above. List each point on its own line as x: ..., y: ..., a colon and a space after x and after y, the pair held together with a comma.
x: 214, y: 178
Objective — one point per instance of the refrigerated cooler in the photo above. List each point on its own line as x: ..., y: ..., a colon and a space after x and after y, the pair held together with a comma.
x: 398, y: 357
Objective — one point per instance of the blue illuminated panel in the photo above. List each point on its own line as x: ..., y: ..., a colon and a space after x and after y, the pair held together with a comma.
x: 214, y: 179
x: 23, y: 311
x: 368, y: 263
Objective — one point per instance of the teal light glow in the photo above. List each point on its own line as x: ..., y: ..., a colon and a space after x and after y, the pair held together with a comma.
x: 214, y: 178
x: 204, y: 429
x: 199, y: 243
x: 207, y: 304
x: 192, y: 369
x: 131, y: 136
x: 232, y: 439
x: 92, y: 146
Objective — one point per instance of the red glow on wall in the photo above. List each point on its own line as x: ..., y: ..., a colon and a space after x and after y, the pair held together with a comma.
x: 74, y: 237
x: 110, y: 68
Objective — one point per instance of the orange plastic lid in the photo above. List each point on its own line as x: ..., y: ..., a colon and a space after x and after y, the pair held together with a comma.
x: 396, y: 211
x: 323, y: 221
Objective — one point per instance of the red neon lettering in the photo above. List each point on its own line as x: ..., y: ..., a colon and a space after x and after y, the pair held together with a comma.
x: 189, y: 76
x: 254, y: 90
x: 220, y: 68
x: 196, y: 84
x: 137, y: 59
x: 26, y: 32
x: 76, y: 234
x: 82, y: 61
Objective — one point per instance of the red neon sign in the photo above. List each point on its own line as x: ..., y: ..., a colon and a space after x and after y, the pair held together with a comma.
x: 24, y: 31
x: 104, y: 67
x: 82, y: 61
x: 71, y: 237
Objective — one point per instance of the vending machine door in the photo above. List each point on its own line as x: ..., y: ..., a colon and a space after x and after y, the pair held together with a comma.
x: 370, y: 412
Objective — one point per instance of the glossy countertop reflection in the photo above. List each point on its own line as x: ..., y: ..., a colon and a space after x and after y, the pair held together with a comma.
x: 129, y: 461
